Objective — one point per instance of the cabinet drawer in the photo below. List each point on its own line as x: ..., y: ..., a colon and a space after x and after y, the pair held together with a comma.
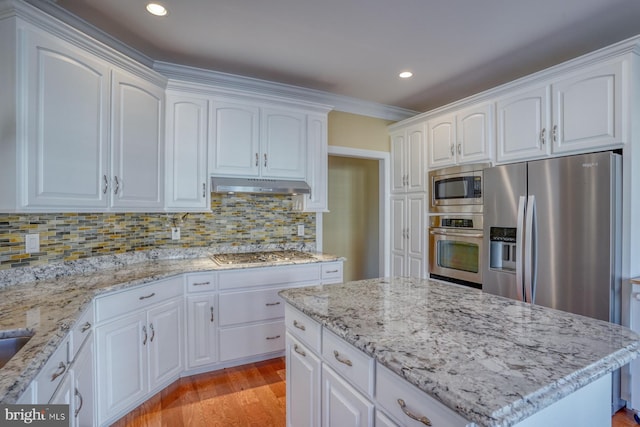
x: 391, y: 389
x: 303, y: 327
x: 307, y: 273
x: 350, y: 362
x: 202, y: 282
x: 80, y: 331
x: 332, y: 272
x: 245, y: 341
x: 52, y: 373
x: 114, y: 305
x: 250, y: 306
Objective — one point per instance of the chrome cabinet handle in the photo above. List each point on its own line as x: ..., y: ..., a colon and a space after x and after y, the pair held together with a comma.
x: 147, y: 296
x: 299, y: 325
x: 341, y: 359
x: 554, y: 133
x: 62, y: 368
x: 424, y: 420
x: 257, y: 159
x: 115, y: 190
x: 153, y: 332
x: 211, y: 314
x: 77, y: 411
x: 201, y: 283
x: 452, y: 149
x: 85, y: 327
x: 331, y: 271
x: 300, y: 352
x: 273, y: 338
x: 106, y: 184
x: 265, y: 160
x: 542, y: 136
x: 144, y: 330
x: 271, y: 304
x: 459, y: 148
x: 204, y: 190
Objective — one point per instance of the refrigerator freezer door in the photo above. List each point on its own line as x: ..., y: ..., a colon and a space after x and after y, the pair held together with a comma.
x: 502, y: 189
x: 575, y: 229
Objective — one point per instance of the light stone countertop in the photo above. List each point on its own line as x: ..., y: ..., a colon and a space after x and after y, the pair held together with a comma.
x: 493, y: 360
x: 52, y: 300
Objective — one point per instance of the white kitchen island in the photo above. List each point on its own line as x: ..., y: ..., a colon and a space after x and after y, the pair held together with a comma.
x: 406, y: 351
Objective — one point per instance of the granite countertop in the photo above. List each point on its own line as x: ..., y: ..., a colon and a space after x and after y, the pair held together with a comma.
x: 493, y: 360
x: 46, y: 302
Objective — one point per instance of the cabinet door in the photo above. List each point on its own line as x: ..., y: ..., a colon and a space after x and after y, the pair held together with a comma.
x: 64, y: 396
x: 67, y: 95
x: 122, y: 364
x: 398, y: 158
x: 83, y: 374
x: 317, y: 163
x: 283, y: 143
x: 186, y: 153
x: 303, y: 385
x: 234, y: 148
x: 523, y: 125
x: 474, y: 130
x: 398, y: 224
x: 164, y: 324
x: 343, y: 405
x: 416, y: 235
x: 441, y: 141
x: 415, y: 158
x: 588, y: 110
x: 137, y: 144
x: 202, y: 346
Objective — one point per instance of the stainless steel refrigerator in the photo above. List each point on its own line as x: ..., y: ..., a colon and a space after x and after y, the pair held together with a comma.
x: 552, y: 233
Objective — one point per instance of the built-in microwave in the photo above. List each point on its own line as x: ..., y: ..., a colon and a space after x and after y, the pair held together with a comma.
x: 457, y: 189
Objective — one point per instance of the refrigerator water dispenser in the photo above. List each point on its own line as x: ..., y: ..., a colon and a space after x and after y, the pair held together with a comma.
x: 502, y: 251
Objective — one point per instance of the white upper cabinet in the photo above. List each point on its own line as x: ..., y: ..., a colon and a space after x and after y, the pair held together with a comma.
x: 317, y: 164
x: 186, y: 153
x: 67, y: 99
x: 461, y: 136
x: 587, y: 109
x: 251, y: 140
x: 523, y: 125
x: 137, y: 139
x: 408, y: 160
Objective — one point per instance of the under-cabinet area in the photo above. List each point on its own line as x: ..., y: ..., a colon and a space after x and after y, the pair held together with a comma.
x: 144, y: 326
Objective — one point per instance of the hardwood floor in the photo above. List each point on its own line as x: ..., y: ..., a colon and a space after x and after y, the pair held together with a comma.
x: 245, y: 396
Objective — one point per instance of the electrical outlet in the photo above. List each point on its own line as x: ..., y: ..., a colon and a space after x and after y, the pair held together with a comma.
x: 32, y: 243
x: 175, y: 233
x: 301, y: 230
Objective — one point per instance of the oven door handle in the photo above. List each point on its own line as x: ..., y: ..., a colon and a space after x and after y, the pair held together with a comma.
x: 455, y: 234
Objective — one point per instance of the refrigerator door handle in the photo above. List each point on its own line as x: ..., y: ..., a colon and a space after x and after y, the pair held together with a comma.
x: 530, y: 259
x: 519, y: 249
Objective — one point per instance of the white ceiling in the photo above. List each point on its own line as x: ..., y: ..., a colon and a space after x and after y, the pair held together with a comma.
x: 357, y: 47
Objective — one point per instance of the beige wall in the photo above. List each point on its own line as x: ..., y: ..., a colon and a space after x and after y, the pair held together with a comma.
x: 355, y: 131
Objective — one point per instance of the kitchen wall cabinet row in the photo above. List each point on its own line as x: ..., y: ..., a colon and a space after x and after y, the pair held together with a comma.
x: 132, y: 343
x: 92, y: 130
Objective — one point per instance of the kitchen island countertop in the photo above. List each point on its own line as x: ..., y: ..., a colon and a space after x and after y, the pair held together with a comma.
x: 46, y: 302
x: 493, y: 360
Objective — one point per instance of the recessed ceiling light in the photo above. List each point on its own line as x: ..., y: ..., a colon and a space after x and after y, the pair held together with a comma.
x: 405, y: 74
x: 156, y: 9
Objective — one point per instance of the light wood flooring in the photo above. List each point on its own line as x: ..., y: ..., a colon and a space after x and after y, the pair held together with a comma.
x: 252, y: 395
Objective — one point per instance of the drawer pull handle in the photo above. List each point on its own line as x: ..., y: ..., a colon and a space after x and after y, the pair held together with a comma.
x: 85, y: 327
x: 201, y: 283
x: 273, y: 338
x: 153, y: 294
x: 144, y: 331
x: 212, y: 314
x: 153, y: 332
x: 300, y: 352
x: 77, y: 411
x: 270, y: 304
x: 332, y: 271
x: 424, y: 420
x: 62, y: 368
x: 341, y: 359
x: 299, y: 325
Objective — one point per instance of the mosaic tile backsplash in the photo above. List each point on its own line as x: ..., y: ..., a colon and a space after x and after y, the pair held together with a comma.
x: 235, y: 220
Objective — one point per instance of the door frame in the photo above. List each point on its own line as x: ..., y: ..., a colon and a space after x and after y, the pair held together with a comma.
x: 384, y: 188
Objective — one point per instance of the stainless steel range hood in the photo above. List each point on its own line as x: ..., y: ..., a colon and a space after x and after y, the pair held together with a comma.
x: 256, y: 185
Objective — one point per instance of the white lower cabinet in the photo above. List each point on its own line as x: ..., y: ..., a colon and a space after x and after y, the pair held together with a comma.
x: 303, y: 385
x: 83, y: 393
x: 342, y: 404
x: 383, y: 421
x: 202, y: 332
x: 244, y: 341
